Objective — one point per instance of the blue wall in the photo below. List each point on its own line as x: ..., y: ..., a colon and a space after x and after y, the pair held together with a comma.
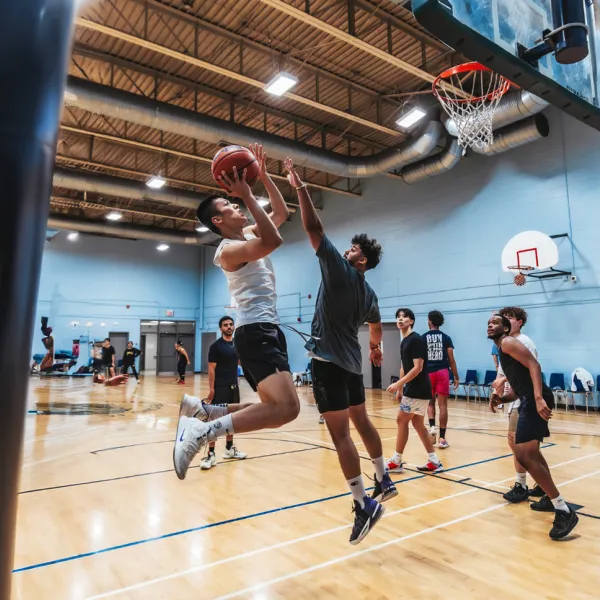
x: 94, y: 278
x: 443, y: 239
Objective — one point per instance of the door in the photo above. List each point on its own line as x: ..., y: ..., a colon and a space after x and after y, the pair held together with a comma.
x: 208, y: 339
x: 143, y: 352
x: 150, y: 354
x: 391, y: 353
x: 188, y: 340
x: 367, y: 370
x: 119, y: 340
x: 167, y: 357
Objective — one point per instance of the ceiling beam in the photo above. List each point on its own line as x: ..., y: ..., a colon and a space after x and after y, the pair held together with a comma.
x: 140, y: 43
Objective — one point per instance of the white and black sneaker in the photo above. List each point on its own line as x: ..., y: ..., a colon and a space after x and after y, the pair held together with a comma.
x: 234, y: 453
x: 209, y: 461
x: 192, y: 436
x: 192, y: 407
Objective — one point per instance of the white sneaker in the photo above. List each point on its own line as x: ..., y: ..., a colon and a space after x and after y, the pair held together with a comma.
x: 433, y: 434
x: 233, y: 452
x: 192, y: 407
x: 209, y: 461
x: 191, y: 438
x: 321, y: 419
x: 138, y: 382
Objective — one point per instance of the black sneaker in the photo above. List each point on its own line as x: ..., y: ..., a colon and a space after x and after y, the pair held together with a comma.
x: 564, y: 523
x: 384, y: 489
x: 365, y: 518
x: 543, y: 505
x: 517, y: 494
x: 536, y: 492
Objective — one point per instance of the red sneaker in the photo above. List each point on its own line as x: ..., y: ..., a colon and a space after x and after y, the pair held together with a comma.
x: 431, y: 467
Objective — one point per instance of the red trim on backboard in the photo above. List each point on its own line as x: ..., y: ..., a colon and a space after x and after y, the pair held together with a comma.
x: 535, y: 250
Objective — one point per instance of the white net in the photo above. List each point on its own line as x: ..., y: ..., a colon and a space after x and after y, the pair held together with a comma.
x: 471, y: 97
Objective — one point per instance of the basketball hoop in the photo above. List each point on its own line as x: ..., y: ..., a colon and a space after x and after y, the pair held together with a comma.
x: 474, y: 108
x: 521, y: 273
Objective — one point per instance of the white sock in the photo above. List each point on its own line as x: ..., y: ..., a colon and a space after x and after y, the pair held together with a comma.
x: 433, y: 458
x: 215, y: 411
x: 357, y: 487
x: 397, y: 458
x: 379, y: 464
x: 220, y: 427
x: 560, y: 504
x: 522, y: 479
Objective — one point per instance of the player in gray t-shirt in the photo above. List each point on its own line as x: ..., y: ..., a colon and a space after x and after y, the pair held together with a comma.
x: 344, y: 303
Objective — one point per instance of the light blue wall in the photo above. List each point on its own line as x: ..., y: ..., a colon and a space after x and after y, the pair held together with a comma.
x: 443, y: 239
x: 95, y: 278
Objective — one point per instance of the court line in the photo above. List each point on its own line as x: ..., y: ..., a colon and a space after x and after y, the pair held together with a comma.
x: 229, y: 521
x: 340, y: 559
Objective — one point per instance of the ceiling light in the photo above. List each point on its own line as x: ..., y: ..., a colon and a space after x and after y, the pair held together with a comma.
x: 162, y: 247
x: 201, y: 229
x: 156, y: 182
x: 72, y: 236
x: 410, y: 118
x: 281, y: 83
x: 263, y: 202
x: 114, y: 216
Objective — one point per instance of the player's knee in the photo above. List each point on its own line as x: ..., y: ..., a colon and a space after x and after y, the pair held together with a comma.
x: 288, y: 412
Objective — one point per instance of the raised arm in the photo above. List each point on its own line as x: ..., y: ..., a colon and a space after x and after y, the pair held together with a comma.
x: 237, y: 254
x: 310, y: 219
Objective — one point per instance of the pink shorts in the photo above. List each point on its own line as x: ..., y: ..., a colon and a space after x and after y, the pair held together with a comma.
x: 440, y: 382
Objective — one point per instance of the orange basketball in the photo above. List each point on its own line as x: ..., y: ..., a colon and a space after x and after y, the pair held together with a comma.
x: 235, y: 156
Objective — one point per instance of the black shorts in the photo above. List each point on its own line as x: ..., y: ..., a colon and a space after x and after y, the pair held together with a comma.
x: 262, y: 350
x: 227, y: 395
x: 530, y: 426
x: 335, y: 388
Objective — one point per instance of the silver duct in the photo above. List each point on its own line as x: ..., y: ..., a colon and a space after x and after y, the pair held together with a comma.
x: 137, y: 109
x: 124, y: 188
x: 434, y: 165
x: 127, y: 231
x: 518, y: 134
x: 514, y: 107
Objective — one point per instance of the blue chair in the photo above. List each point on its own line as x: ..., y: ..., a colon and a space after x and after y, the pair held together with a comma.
x: 471, y: 383
x: 581, y: 391
x: 490, y: 377
x: 557, y: 385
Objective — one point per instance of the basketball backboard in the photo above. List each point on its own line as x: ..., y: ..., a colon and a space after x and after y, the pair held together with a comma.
x: 495, y: 32
x: 530, y: 250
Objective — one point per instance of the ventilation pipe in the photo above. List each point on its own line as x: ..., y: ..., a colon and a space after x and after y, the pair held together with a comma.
x: 514, y: 107
x: 518, y: 134
x: 129, y: 231
x: 434, y: 165
x: 134, y: 108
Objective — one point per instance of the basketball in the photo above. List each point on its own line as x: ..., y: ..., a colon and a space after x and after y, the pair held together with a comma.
x: 235, y: 156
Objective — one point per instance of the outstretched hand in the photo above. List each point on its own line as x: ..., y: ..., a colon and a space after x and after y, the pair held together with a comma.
x: 237, y: 187
x: 293, y: 176
x: 261, y: 157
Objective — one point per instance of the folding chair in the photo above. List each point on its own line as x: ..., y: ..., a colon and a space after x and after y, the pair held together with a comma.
x: 490, y: 377
x: 581, y: 391
x: 469, y: 383
x: 557, y: 385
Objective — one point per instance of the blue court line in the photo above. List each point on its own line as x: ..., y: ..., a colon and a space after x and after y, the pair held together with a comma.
x: 229, y: 521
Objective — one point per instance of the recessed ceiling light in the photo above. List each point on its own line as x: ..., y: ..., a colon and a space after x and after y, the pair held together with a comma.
x: 410, y: 118
x: 201, y: 228
x: 72, y: 236
x: 281, y: 83
x: 156, y: 182
x: 114, y: 216
x: 263, y: 201
x: 162, y: 247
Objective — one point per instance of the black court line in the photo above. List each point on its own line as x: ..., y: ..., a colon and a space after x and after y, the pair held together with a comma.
x: 69, y: 485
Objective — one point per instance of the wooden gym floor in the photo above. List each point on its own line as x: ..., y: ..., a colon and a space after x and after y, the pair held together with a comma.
x: 102, y: 514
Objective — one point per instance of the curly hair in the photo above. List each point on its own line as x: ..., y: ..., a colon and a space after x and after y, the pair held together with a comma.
x: 514, y: 311
x: 370, y: 248
x: 436, y: 318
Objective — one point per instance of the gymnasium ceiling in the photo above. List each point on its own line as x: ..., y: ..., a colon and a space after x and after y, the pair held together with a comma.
x: 358, y: 63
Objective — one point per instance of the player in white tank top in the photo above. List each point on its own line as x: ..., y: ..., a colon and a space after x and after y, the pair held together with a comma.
x: 243, y: 256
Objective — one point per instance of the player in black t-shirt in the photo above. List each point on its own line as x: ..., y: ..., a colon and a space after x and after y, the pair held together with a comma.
x: 182, y: 362
x: 524, y: 375
x: 413, y: 390
x: 108, y: 358
x: 129, y: 356
x: 223, y: 385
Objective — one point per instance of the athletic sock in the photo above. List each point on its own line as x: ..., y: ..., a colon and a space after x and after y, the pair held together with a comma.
x: 431, y: 422
x: 397, y: 458
x: 357, y: 487
x: 560, y: 504
x: 433, y: 458
x: 522, y: 479
x: 229, y: 445
x: 443, y: 433
x: 379, y: 464
x: 211, y: 449
x: 220, y: 427
x: 214, y: 411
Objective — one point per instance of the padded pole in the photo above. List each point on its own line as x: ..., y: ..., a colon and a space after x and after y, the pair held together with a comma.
x: 34, y: 50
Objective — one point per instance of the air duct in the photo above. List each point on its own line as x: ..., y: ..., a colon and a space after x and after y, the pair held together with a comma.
x: 514, y: 107
x: 518, y: 134
x: 134, y: 108
x: 434, y: 165
x: 129, y: 231
x: 123, y: 188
